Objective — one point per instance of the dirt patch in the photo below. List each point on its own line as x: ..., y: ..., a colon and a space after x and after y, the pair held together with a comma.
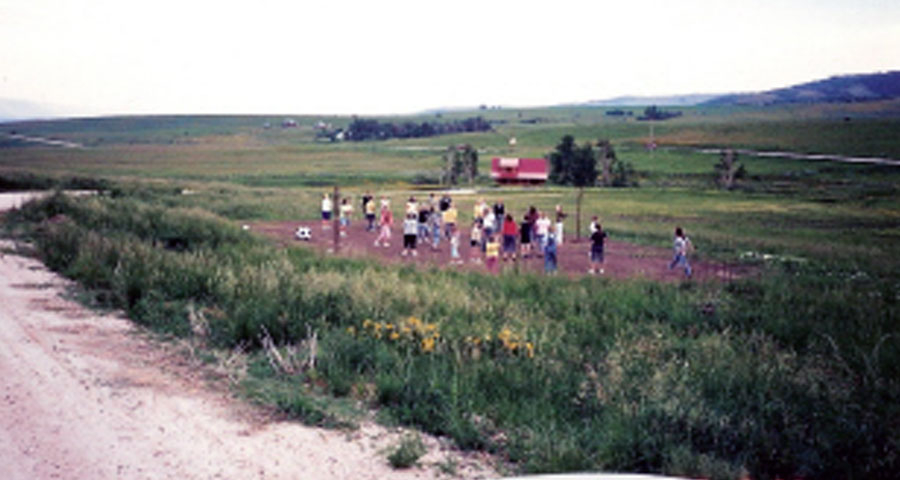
x: 621, y: 259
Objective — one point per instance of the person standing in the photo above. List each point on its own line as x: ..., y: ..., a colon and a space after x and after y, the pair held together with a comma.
x: 369, y: 210
x: 510, y: 231
x: 435, y: 218
x: 476, y: 241
x: 450, y: 217
x: 410, y: 233
x: 499, y: 210
x: 560, y: 217
x: 525, y: 230
x: 542, y: 230
x: 346, y: 211
x: 550, y: 255
x: 385, y: 222
x: 598, y: 238
x: 682, y: 246
x: 491, y: 253
x: 423, y: 223
x: 327, y: 207
x: 454, y: 247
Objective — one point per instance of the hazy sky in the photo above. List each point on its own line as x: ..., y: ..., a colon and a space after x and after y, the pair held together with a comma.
x: 396, y: 56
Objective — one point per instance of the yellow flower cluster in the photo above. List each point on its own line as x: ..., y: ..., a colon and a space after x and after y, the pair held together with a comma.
x: 411, y: 330
x: 507, y: 340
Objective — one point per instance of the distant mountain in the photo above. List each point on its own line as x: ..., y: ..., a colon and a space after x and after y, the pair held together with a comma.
x: 661, y: 101
x: 837, y: 89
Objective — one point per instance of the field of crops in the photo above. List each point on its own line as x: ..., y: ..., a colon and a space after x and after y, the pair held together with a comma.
x: 789, y: 373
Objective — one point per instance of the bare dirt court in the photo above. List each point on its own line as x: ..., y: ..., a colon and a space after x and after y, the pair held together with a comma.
x: 621, y: 259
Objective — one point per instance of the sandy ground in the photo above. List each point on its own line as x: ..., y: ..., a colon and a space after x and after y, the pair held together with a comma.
x: 85, y: 395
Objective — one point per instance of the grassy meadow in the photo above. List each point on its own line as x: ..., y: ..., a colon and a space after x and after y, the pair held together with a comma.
x: 791, y: 372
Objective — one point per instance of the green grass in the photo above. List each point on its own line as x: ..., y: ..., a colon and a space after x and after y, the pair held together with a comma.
x: 789, y: 373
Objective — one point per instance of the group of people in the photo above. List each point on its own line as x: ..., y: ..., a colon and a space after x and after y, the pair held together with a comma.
x: 494, y: 235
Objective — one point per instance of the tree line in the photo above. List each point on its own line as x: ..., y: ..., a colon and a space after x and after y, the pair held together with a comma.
x: 361, y: 129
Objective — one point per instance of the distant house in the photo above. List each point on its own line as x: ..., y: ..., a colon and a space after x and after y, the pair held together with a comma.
x: 532, y: 171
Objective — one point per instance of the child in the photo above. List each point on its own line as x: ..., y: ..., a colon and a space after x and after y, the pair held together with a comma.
x: 410, y: 233
x: 369, y: 209
x: 475, y: 241
x: 560, y: 217
x: 542, y: 230
x: 682, y: 246
x: 435, y: 218
x: 510, y: 231
x: 454, y: 247
x: 423, y: 223
x: 491, y: 253
x: 345, y: 212
x: 385, y: 221
x: 550, y: 255
x: 598, y: 237
x: 450, y: 216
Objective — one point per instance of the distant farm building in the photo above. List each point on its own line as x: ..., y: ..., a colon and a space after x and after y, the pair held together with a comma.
x: 531, y: 171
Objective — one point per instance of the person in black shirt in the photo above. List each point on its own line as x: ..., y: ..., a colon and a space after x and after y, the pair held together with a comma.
x: 598, y: 238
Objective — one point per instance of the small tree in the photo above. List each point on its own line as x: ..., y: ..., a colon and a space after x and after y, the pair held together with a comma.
x: 728, y: 169
x: 576, y: 166
x: 607, y: 160
x: 460, y: 161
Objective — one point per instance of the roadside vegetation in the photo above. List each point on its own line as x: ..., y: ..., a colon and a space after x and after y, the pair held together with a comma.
x: 789, y: 373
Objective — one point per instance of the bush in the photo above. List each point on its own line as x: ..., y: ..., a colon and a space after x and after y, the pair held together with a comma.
x: 406, y: 453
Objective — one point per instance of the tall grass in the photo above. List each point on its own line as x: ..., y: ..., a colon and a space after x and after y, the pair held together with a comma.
x: 791, y: 375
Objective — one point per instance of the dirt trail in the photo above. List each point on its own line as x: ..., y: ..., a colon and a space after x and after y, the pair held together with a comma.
x: 84, y: 395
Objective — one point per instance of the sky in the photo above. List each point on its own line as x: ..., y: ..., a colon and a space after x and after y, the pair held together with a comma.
x: 105, y: 57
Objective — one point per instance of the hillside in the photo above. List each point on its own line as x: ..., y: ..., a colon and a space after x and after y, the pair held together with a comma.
x: 836, y: 89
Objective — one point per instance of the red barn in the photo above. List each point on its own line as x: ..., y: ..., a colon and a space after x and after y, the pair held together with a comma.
x: 519, y: 170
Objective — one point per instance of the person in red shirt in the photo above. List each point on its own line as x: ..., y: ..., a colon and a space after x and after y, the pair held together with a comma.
x: 510, y: 230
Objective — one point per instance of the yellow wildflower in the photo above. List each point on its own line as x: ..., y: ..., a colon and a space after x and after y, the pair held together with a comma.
x: 427, y: 344
x: 529, y: 347
x: 394, y: 335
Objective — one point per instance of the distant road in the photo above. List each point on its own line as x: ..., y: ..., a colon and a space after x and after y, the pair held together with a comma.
x: 44, y: 141
x: 810, y: 156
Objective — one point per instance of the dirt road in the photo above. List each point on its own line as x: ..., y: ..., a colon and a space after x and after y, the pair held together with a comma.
x: 86, y: 396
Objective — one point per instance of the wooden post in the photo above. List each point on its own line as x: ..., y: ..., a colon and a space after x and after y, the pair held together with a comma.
x: 335, y: 219
x: 578, y: 214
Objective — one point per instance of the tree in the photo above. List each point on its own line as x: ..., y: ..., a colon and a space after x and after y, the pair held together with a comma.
x: 576, y: 166
x: 607, y: 160
x: 728, y: 169
x: 460, y: 161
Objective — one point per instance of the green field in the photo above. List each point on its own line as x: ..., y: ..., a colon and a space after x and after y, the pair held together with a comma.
x: 791, y: 372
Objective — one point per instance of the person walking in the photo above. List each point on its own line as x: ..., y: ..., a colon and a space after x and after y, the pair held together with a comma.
x: 682, y: 246
x: 476, y: 241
